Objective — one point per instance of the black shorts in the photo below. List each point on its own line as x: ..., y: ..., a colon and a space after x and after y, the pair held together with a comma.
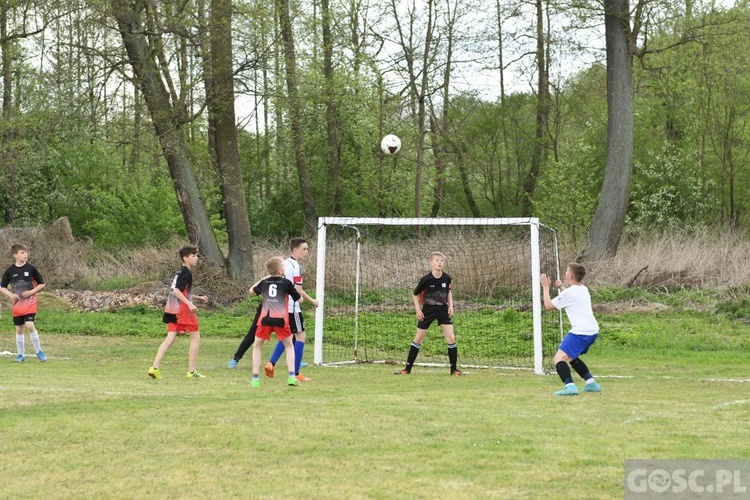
x: 26, y: 318
x: 432, y: 313
x: 296, y: 322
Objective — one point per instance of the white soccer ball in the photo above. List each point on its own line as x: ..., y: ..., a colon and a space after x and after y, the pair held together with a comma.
x: 390, y: 144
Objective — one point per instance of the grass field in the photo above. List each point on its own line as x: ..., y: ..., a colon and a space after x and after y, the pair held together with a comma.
x: 89, y: 422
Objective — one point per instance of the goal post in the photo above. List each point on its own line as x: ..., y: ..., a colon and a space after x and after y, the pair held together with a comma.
x: 367, y: 268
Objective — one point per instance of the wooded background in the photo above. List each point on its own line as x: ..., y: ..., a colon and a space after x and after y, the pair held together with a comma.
x: 592, y: 116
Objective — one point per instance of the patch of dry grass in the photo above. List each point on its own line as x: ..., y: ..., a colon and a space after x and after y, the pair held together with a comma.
x: 67, y: 262
x: 700, y: 258
x: 667, y: 260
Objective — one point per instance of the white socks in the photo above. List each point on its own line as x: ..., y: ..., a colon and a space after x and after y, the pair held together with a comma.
x: 34, y: 336
x: 21, y: 344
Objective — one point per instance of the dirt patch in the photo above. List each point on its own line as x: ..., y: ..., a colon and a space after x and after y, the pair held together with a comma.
x: 85, y: 300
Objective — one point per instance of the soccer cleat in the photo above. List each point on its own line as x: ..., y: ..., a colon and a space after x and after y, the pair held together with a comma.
x: 269, y: 369
x: 592, y: 387
x: 232, y: 363
x: 292, y: 382
x: 402, y: 372
x: 302, y: 378
x: 255, y: 382
x: 194, y: 374
x: 456, y: 373
x: 154, y: 373
x: 569, y: 390
x: 20, y: 358
x: 41, y: 356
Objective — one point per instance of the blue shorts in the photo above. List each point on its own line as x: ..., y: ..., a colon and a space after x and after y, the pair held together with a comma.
x: 574, y: 345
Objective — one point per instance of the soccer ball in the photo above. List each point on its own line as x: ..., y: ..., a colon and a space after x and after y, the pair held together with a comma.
x: 390, y: 144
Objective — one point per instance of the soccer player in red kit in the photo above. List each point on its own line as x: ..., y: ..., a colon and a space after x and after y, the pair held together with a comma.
x: 277, y: 292
x: 26, y: 283
x: 180, y: 314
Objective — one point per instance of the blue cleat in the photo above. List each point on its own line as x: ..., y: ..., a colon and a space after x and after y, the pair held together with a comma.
x: 592, y: 387
x: 569, y: 390
x: 20, y: 358
x: 41, y: 356
x: 232, y: 364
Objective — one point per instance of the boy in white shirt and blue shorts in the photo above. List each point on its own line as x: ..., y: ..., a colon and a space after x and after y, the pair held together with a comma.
x: 584, y: 329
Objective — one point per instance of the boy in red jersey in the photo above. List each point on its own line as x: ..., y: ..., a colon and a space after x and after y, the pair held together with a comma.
x: 277, y: 293
x: 26, y: 282
x: 180, y: 314
x: 292, y: 272
x: 433, y: 300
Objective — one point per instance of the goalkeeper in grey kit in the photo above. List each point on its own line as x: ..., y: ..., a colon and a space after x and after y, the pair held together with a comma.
x: 433, y: 300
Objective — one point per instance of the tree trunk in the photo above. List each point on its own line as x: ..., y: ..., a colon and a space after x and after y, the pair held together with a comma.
x: 334, y: 154
x: 437, y: 194
x: 421, y: 95
x: 609, y: 219
x: 542, y: 115
x: 171, y: 136
x: 221, y: 108
x: 463, y: 173
x: 10, y: 203
x: 417, y: 92
x: 295, y: 117
x: 439, y: 129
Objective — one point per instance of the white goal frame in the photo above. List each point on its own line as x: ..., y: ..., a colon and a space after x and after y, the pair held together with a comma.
x: 534, y: 268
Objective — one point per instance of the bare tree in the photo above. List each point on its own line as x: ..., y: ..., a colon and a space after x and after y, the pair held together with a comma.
x: 609, y: 218
x: 168, y: 116
x: 454, y: 11
x: 295, y: 115
x: 418, y: 78
x: 29, y: 21
x: 542, y: 112
x: 220, y: 105
x: 332, y: 133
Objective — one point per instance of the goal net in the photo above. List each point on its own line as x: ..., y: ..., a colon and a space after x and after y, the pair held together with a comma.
x: 367, y: 269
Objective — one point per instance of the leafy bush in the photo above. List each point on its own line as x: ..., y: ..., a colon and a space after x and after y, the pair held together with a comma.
x: 668, y: 190
x: 566, y: 195
x: 117, y: 209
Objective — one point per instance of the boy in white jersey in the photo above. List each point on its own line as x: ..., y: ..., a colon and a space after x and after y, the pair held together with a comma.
x: 584, y: 329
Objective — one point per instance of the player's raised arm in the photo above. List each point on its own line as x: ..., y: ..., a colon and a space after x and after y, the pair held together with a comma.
x: 546, y: 282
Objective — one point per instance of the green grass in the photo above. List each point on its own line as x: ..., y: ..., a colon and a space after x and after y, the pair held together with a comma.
x: 89, y: 422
